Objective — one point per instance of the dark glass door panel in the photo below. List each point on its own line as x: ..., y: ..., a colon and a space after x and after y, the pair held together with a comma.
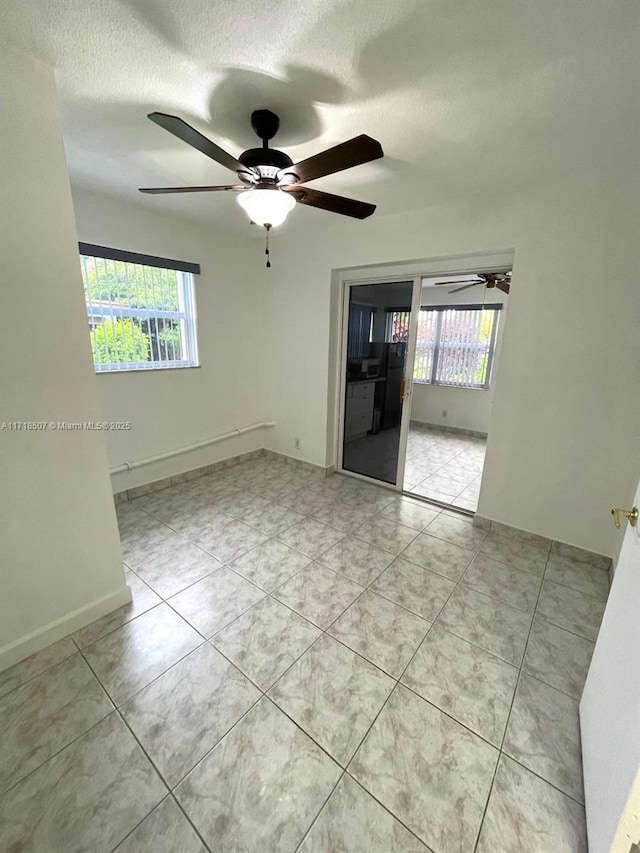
x: 377, y: 340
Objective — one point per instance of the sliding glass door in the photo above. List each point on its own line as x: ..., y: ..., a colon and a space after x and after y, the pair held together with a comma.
x: 379, y: 343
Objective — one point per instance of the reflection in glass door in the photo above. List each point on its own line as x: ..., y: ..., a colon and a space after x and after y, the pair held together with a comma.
x: 375, y: 379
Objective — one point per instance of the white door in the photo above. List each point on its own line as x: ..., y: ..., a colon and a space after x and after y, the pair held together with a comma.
x: 610, y: 712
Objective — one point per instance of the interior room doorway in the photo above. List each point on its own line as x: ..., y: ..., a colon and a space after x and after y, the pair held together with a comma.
x: 417, y: 377
x: 459, y: 333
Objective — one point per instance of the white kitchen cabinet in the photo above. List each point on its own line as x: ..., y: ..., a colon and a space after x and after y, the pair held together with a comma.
x: 359, y: 409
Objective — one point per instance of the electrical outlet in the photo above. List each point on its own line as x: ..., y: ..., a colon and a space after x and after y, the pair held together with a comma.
x: 444, y: 413
x: 296, y: 443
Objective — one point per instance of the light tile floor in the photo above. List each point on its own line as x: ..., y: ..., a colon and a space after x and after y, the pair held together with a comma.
x: 444, y: 466
x: 308, y: 664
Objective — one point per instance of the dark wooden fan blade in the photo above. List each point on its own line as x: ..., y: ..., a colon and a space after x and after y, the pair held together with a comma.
x: 360, y: 149
x: 332, y: 203
x: 461, y: 281
x: 192, y: 137
x: 469, y: 284
x: 160, y: 190
x: 504, y: 286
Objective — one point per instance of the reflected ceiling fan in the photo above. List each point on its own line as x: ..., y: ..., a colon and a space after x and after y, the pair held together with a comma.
x: 501, y: 280
x: 270, y: 182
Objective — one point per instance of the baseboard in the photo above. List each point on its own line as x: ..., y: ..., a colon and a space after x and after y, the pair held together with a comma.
x: 25, y: 646
x: 300, y: 463
x: 428, y: 427
x: 562, y: 549
x: 193, y: 474
x: 178, y: 479
x: 183, y: 463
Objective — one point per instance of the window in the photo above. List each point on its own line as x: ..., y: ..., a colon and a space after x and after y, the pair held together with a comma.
x: 455, y: 345
x: 141, y: 310
x: 360, y: 329
x: 397, y: 327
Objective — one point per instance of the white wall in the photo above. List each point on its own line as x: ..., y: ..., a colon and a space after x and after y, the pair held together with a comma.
x: 170, y: 409
x: 60, y: 559
x: 461, y: 408
x: 563, y: 442
x: 466, y: 408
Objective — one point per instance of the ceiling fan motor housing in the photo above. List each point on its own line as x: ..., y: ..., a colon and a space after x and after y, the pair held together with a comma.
x: 265, y: 157
x: 266, y: 161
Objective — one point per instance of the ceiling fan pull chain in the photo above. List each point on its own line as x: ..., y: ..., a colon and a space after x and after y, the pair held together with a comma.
x: 267, y: 228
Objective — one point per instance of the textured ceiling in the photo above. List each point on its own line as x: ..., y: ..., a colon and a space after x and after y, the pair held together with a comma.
x: 469, y: 99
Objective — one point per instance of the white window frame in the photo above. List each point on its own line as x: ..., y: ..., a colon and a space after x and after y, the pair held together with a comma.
x: 105, y: 311
x: 439, y: 310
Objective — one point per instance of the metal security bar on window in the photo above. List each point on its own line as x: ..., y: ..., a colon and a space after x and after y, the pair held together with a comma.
x: 425, y: 345
x: 397, y: 330
x: 141, y: 317
x: 455, y: 345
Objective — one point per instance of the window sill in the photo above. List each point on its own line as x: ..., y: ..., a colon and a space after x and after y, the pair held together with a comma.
x: 147, y: 370
x: 456, y: 387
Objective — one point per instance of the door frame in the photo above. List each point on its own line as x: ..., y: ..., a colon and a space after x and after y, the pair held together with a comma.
x: 405, y: 420
x: 342, y: 280
x: 416, y: 284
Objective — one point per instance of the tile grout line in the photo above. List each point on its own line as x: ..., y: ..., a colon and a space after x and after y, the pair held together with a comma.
x: 379, y: 512
x: 189, y: 821
x: 115, y: 707
x: 38, y: 674
x: 161, y: 777
x: 281, y: 710
x: 263, y: 694
x: 365, y: 589
x: 546, y: 684
x: 373, y: 797
x: 4, y: 792
x: 391, y: 692
x: 508, y: 717
x: 320, y: 810
x: 398, y: 681
x: 376, y: 513
x: 129, y: 834
x: 504, y: 735
x: 117, y: 627
x: 153, y: 680
x: 312, y: 560
x: 450, y: 504
x: 146, y: 754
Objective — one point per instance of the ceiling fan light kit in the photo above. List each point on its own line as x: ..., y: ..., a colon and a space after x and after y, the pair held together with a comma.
x: 271, y: 183
x: 266, y: 206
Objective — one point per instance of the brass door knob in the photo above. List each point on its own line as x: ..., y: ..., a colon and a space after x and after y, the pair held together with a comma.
x: 630, y: 514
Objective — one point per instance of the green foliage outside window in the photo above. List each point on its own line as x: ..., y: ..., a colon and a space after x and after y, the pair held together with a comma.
x: 133, y: 285
x: 119, y: 341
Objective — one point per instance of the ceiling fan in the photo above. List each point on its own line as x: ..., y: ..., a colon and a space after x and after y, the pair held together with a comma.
x: 501, y: 280
x: 270, y: 182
